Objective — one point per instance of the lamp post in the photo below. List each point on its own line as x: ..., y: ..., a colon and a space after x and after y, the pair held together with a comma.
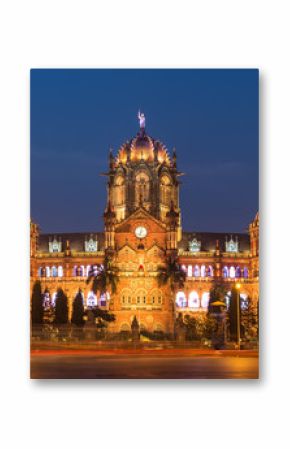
x: 238, y: 286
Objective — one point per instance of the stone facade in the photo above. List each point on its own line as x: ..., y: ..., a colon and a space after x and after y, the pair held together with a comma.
x: 142, y: 227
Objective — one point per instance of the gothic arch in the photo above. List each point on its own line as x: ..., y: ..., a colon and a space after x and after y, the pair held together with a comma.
x: 119, y: 187
x: 142, y: 186
x: 126, y: 296
x: 141, y: 296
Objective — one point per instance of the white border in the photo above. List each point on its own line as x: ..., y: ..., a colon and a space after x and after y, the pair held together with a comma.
x: 141, y: 34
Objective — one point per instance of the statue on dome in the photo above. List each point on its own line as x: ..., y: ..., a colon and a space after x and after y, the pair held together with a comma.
x: 141, y: 117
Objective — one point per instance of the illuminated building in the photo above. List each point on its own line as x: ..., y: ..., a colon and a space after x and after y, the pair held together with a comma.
x: 142, y: 227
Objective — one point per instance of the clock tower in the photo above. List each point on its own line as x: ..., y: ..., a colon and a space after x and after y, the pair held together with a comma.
x: 142, y: 228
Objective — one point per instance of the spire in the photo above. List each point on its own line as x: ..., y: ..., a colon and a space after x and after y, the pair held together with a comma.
x: 174, y: 157
x: 111, y: 159
x: 109, y: 212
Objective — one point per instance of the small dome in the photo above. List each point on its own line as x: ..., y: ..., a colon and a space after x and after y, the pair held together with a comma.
x: 143, y: 148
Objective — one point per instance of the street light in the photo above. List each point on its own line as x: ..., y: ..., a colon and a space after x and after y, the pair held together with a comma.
x: 238, y: 286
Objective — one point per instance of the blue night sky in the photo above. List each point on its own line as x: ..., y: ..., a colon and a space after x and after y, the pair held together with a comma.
x: 210, y: 116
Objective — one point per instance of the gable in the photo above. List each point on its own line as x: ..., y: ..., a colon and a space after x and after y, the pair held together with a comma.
x: 140, y: 217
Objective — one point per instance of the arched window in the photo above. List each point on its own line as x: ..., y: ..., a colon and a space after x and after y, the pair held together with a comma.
x: 47, y: 272
x: 88, y: 270
x: 180, y: 299
x: 54, y: 272
x: 225, y: 272
x: 92, y: 300
x: 193, y: 300
x: 238, y: 272
x: 40, y: 271
x: 210, y: 271
x: 196, y: 271
x: 53, y: 299
x: 232, y: 272
x: 46, y: 300
x: 125, y: 327
x: 165, y: 190
x: 246, y: 272
x: 142, y: 188
x: 141, y: 297
x: 119, y: 190
x: 126, y: 296
x: 202, y: 271
x: 189, y: 271
x: 205, y: 300
x: 60, y: 271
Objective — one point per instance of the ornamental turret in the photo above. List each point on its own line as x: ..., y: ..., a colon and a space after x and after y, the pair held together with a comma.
x: 143, y: 174
x: 110, y: 221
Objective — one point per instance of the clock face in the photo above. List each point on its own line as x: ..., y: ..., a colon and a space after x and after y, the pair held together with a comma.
x: 140, y: 232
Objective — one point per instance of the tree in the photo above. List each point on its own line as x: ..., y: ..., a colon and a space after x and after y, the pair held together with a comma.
x: 61, y: 308
x: 233, y: 314
x: 37, y: 304
x: 173, y: 275
x: 78, y: 310
x: 216, y: 298
x: 105, y: 279
x: 216, y: 312
x: 250, y: 319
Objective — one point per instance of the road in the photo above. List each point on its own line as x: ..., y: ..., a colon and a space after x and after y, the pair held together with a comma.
x: 92, y: 366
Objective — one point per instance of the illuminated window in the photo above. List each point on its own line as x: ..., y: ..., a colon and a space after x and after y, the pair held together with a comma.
x: 232, y: 246
x: 91, y: 245
x: 53, y: 299
x: 54, y: 246
x: 54, y: 272
x: 193, y: 301
x: 180, y: 299
x: 47, y: 272
x: 60, y: 271
x: 202, y: 271
x: 238, y: 272
x: 232, y: 272
x: 246, y: 272
x: 88, y: 270
x: 103, y: 300
x: 210, y: 271
x: 205, y: 300
x: 194, y: 245
x: 46, y: 300
x: 189, y: 271
x: 40, y: 271
x: 225, y: 272
x: 183, y: 267
x: 92, y: 300
x: 196, y: 271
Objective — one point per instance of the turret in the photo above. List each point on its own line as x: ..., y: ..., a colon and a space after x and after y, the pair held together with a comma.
x: 172, y: 219
x: 110, y: 221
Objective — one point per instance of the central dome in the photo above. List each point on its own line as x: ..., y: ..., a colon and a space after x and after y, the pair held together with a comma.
x: 143, y: 148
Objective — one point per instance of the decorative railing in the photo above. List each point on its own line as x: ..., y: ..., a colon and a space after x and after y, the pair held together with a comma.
x: 72, y: 254
x: 201, y: 254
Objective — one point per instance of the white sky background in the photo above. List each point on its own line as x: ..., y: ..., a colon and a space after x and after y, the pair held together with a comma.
x: 140, y: 34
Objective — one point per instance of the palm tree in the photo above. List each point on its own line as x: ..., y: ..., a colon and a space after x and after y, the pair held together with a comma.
x: 105, y: 279
x: 173, y: 275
